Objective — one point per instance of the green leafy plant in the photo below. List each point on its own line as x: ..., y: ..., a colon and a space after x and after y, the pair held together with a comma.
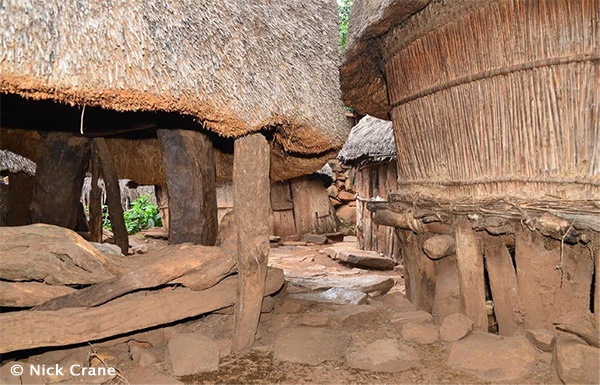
x: 344, y: 7
x: 142, y: 215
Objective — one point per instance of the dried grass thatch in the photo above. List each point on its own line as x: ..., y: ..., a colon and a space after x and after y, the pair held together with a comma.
x: 326, y: 175
x: 371, y: 140
x: 235, y: 66
x: 13, y: 163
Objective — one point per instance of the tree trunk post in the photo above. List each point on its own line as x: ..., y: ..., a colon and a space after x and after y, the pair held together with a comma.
x: 190, y: 173
x: 251, y: 192
x: 20, y: 190
x: 95, y: 200
x: 469, y: 255
x: 113, y: 194
x: 162, y: 200
x: 59, y: 178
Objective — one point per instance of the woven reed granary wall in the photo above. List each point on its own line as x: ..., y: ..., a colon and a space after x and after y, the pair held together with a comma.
x: 496, y: 119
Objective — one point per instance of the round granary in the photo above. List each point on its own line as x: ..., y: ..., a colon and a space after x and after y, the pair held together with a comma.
x: 224, y: 67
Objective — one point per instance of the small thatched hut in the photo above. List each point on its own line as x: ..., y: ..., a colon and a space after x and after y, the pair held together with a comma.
x: 18, y: 171
x: 495, y: 109
x: 371, y: 150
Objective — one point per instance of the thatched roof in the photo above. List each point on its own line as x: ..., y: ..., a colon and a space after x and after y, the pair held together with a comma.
x: 235, y: 66
x: 13, y: 163
x: 371, y: 140
x: 326, y: 175
x: 363, y: 82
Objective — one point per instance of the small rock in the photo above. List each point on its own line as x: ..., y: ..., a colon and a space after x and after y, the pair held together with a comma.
x: 107, y: 248
x: 191, y: 353
x: 422, y: 334
x: 308, y: 345
x: 576, y: 363
x: 365, y: 259
x: 385, y: 355
x: 542, y: 339
x: 397, y: 301
x: 288, y: 307
x: 335, y: 295
x: 142, y: 357
x: 346, y: 214
x: 455, y: 326
x: 493, y: 358
x: 416, y: 317
x: 314, y: 319
x: 350, y: 238
x: 355, y: 315
x: 346, y: 196
x: 268, y: 304
x: 317, y: 239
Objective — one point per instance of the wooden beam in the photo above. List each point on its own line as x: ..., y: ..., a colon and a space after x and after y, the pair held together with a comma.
x: 31, y: 329
x: 59, y: 178
x: 95, y: 199
x: 504, y: 286
x: 469, y: 257
x: 113, y: 194
x: 251, y: 212
x: 406, y: 221
x: 190, y: 173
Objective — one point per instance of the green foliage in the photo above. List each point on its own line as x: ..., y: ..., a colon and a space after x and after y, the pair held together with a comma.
x: 344, y: 7
x: 142, y: 215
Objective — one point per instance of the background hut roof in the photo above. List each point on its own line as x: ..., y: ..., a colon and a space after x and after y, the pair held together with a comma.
x: 363, y: 84
x: 13, y: 163
x: 371, y: 140
x: 326, y: 175
x: 235, y: 66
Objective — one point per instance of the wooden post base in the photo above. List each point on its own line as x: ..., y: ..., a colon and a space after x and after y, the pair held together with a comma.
x: 251, y: 213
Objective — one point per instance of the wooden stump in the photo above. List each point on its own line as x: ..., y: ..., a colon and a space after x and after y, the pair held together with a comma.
x: 189, y: 165
x: 95, y: 200
x: 251, y: 212
x: 420, y: 272
x: 20, y: 190
x: 59, y: 178
x: 113, y: 194
x: 503, y: 283
x: 469, y: 256
x: 447, y: 289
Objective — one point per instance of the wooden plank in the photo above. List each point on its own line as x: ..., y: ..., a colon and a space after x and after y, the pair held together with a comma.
x: 113, y: 194
x: 447, y: 289
x: 251, y: 197
x: 59, y: 178
x: 469, y: 256
x: 504, y: 286
x: 170, y: 265
x: 311, y: 206
x: 95, y: 206
x: 420, y: 272
x: 20, y: 191
x: 190, y: 173
x: 27, y: 294
x: 31, y: 329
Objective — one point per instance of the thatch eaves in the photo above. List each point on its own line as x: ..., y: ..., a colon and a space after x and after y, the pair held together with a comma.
x: 326, y: 175
x: 235, y: 66
x: 13, y: 163
x: 371, y: 140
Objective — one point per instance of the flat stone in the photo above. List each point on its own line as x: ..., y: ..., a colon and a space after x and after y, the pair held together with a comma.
x: 317, y: 239
x: 156, y: 233
x: 542, y: 339
x: 225, y: 347
x: 288, y: 307
x: 142, y: 357
x: 355, y: 315
x: 346, y: 196
x: 397, y: 301
x: 191, y: 353
x: 335, y: 295
x: 147, y: 376
x: 365, y: 259
x: 422, y: 334
x: 416, y: 317
x: 365, y: 283
x: 455, y: 326
x: 314, y: 319
x: 576, y: 363
x: 386, y: 355
x: 309, y: 345
x: 493, y: 358
x: 7, y: 377
x: 268, y: 304
x: 107, y: 248
x: 279, y: 321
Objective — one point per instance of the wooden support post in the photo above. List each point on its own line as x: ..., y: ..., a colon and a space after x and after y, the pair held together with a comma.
x: 59, y: 178
x: 469, y: 256
x: 503, y: 283
x: 20, y: 189
x: 251, y: 212
x: 113, y: 194
x: 162, y: 200
x: 95, y: 200
x: 190, y: 173
x: 596, y: 249
x: 447, y: 289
